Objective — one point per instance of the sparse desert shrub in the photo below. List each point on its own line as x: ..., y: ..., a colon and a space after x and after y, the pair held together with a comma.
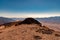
x: 0, y: 32
x: 47, y: 32
x: 58, y: 35
x: 39, y: 30
x: 45, y: 28
x: 44, y: 31
x: 8, y: 25
x: 37, y: 37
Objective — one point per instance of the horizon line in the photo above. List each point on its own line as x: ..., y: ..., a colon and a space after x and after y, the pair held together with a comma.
x: 30, y: 17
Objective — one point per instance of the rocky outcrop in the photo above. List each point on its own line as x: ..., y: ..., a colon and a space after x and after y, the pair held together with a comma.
x: 29, y: 21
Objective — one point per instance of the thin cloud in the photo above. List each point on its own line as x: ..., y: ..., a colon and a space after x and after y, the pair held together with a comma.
x: 24, y: 15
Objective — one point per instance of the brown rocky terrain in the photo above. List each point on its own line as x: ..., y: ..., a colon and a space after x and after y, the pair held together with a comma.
x: 29, y: 29
x: 53, y: 26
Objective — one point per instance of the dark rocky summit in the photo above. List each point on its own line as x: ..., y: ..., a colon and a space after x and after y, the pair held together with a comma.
x: 29, y: 21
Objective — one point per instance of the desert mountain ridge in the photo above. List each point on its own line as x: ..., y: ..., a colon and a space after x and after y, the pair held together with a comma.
x: 55, y: 19
x: 28, y: 29
x: 46, y: 20
x: 5, y: 20
x: 51, y: 22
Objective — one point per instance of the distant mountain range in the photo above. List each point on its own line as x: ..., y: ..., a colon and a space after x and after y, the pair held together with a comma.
x: 49, y: 19
x: 18, y: 18
x: 5, y: 20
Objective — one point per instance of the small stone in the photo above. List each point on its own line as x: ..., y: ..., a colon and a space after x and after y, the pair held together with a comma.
x: 37, y: 37
x: 57, y: 35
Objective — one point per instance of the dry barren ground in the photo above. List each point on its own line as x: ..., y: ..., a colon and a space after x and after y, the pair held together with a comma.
x: 28, y: 32
x: 53, y: 26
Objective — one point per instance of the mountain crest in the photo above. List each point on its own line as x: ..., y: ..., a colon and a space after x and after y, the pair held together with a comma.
x: 30, y: 21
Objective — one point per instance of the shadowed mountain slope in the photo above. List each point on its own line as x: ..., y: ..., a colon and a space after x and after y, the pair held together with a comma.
x: 29, y: 21
x: 10, y: 24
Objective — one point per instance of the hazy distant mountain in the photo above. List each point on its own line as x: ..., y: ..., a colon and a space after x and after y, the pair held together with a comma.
x: 50, y: 19
x: 18, y: 18
x: 5, y: 20
x: 46, y: 20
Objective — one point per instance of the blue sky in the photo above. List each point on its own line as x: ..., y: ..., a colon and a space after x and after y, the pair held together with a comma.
x: 24, y: 7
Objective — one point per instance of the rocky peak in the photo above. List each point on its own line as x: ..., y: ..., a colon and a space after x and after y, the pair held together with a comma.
x: 30, y: 21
